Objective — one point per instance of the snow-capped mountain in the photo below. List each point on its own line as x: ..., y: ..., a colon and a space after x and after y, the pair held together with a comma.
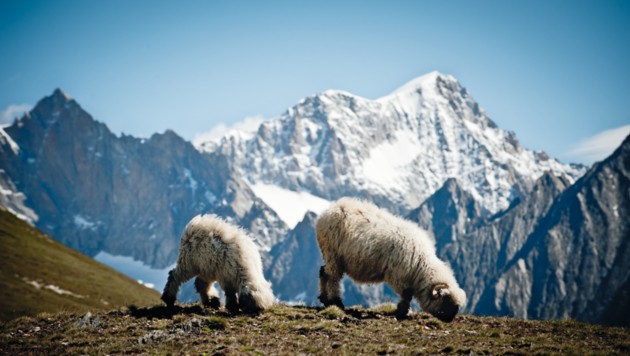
x: 396, y: 150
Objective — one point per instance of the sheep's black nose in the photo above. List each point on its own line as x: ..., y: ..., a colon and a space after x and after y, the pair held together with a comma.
x: 446, y: 317
x: 447, y: 311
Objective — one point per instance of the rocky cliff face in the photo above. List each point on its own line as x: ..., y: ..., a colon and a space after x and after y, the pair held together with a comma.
x: 295, y: 262
x: 576, y: 263
x: 478, y: 247
x: 123, y: 195
x: 560, y: 252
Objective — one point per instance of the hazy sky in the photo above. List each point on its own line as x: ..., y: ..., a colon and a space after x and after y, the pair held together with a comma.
x: 555, y: 72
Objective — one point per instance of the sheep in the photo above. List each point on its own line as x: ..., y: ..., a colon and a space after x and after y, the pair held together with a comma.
x: 371, y: 245
x: 213, y: 250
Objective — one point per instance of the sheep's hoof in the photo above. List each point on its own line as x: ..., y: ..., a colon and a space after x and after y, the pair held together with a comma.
x: 214, y: 303
x: 402, y: 312
x: 170, y: 301
x: 232, y: 308
x: 402, y: 315
x: 334, y: 301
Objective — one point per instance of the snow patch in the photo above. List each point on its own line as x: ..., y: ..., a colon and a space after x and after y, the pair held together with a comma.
x: 192, y: 183
x: 51, y: 287
x: 6, y: 139
x: 289, y: 205
x: 144, y: 274
x: 386, y: 161
x: 147, y: 284
x: 85, y: 224
x: 210, y: 197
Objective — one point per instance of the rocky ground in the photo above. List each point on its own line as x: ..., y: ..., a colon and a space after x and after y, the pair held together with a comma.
x: 284, y: 329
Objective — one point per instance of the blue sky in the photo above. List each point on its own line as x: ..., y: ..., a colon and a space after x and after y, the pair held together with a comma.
x: 555, y: 72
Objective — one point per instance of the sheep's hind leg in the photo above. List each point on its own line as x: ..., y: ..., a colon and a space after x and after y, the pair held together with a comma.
x: 402, y: 310
x: 207, y: 293
x: 329, y: 287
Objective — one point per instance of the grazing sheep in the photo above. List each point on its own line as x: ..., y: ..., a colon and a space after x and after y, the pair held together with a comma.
x: 214, y: 250
x: 372, y: 245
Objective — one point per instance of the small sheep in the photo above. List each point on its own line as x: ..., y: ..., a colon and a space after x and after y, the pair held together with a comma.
x: 372, y: 245
x: 214, y: 250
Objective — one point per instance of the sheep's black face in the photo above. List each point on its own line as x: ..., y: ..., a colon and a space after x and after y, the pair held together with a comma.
x: 442, y: 303
x: 447, y: 309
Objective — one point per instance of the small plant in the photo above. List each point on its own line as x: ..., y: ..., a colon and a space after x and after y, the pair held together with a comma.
x: 332, y: 312
x: 385, y: 308
x: 214, y: 323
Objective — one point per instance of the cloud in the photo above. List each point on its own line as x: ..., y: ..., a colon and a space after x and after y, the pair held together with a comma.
x: 12, y: 111
x: 600, y: 146
x: 248, y: 125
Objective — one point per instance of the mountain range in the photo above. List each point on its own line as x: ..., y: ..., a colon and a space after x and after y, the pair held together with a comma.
x: 526, y: 235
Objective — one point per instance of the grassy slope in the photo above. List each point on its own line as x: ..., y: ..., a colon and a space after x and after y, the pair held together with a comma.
x: 28, y: 255
x: 300, y: 330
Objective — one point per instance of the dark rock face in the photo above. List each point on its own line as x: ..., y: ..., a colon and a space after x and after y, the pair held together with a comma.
x: 577, y: 260
x: 98, y: 192
x: 295, y: 263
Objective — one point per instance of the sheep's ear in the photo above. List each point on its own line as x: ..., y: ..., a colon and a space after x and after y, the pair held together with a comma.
x: 439, y: 290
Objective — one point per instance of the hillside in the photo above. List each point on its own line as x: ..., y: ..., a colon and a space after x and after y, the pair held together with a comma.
x: 38, y: 274
x: 300, y: 330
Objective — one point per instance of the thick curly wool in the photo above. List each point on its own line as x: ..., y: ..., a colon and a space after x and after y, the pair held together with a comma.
x: 371, y: 245
x: 213, y: 250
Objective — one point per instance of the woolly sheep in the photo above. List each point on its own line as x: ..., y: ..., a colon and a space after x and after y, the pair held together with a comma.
x: 372, y: 245
x: 214, y: 250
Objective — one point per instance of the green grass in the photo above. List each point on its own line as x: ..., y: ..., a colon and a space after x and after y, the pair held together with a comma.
x: 28, y: 258
x: 300, y: 330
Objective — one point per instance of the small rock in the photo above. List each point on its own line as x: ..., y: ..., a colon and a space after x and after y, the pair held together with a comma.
x: 151, y: 337
x: 88, y: 320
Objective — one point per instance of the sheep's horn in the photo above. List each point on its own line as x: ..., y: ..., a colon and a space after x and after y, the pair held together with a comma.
x: 437, y: 289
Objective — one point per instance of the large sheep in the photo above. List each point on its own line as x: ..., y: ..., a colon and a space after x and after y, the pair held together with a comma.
x: 372, y: 245
x: 213, y: 250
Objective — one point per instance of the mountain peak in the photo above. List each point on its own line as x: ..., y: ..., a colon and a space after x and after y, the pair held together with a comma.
x: 423, y: 84
x: 60, y: 94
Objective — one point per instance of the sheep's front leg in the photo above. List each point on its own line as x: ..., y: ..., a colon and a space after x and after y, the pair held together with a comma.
x: 247, y: 303
x: 402, y: 310
x: 204, y: 289
x: 231, y: 303
x: 329, y: 279
x: 175, y: 279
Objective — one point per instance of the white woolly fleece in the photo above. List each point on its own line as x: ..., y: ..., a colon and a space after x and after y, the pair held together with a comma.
x: 371, y: 245
x: 218, y: 251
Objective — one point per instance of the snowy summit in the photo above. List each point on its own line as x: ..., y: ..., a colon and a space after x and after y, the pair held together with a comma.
x: 396, y: 150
